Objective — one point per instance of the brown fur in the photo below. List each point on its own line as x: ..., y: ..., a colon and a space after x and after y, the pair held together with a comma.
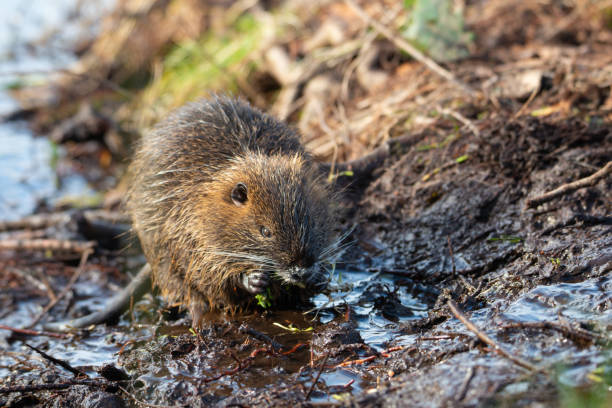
x: 197, y: 240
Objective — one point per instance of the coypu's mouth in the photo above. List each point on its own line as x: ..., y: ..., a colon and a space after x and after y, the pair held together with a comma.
x: 313, y: 278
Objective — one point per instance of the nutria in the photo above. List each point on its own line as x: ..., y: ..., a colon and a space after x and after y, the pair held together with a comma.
x: 227, y: 205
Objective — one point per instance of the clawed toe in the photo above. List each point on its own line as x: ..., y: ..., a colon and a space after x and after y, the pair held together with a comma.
x: 255, y: 282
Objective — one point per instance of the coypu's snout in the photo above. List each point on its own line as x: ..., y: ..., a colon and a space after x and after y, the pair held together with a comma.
x: 311, y: 276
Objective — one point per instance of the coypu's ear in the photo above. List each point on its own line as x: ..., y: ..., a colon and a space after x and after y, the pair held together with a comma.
x: 239, y: 194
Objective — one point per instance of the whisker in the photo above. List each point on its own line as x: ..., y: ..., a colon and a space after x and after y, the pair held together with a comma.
x: 257, y: 259
x: 334, y: 246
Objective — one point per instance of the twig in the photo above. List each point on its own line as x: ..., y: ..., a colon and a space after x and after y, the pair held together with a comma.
x: 482, y: 336
x: 468, y: 123
x: 570, y: 187
x: 562, y: 328
x: 355, y: 362
x: 64, y: 291
x: 529, y: 100
x: 58, y: 362
x: 36, y: 221
x: 294, y: 349
x: 466, y: 383
x: 317, y: 377
x: 241, y: 364
x: 39, y: 221
x: 47, y: 244
x: 52, y: 387
x: 33, y: 281
x: 33, y: 332
x: 311, y: 356
x: 407, y: 47
x: 384, y: 353
x: 449, y: 336
x: 114, y: 307
x: 585, y: 219
x: 261, y: 336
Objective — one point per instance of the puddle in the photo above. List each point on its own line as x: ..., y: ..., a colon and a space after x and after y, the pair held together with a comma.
x: 585, y: 302
x: 28, y: 176
x: 366, y: 294
x: 35, y: 39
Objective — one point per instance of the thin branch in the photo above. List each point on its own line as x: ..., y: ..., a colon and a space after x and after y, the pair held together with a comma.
x: 466, y: 383
x: 466, y: 122
x: 567, y: 330
x: 64, y: 291
x: 53, y: 387
x: 529, y: 100
x: 570, y: 187
x: 482, y: 336
x: 27, y: 332
x: 118, y: 304
x: 244, y: 328
x: 38, y: 221
x: 318, y: 376
x: 46, y: 244
x: 108, y: 83
x: 61, y: 363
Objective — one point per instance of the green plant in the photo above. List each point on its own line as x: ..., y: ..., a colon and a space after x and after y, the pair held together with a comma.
x: 264, y: 299
x: 597, y: 394
x: 437, y: 28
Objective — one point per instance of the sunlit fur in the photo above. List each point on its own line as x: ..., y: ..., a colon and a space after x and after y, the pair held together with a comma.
x: 197, y: 240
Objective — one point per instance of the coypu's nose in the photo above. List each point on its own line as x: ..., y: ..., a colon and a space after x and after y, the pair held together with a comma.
x: 300, y: 267
x: 304, y: 261
x: 296, y: 274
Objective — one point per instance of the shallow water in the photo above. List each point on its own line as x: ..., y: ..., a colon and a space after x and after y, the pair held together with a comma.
x: 28, y: 175
x: 35, y: 39
x: 351, y: 288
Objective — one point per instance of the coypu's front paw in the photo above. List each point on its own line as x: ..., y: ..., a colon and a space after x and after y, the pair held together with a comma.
x: 254, y: 282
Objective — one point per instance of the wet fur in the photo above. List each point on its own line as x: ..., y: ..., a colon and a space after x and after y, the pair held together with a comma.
x: 196, y: 239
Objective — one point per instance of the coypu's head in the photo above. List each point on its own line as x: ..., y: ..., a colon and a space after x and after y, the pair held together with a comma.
x: 270, y: 223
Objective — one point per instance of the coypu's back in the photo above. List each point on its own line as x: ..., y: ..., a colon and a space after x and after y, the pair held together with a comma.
x: 227, y: 204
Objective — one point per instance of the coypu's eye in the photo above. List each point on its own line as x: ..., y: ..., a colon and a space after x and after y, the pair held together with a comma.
x: 239, y: 194
x: 265, y: 232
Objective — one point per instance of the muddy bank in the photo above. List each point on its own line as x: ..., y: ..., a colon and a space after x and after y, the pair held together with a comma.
x: 536, y: 281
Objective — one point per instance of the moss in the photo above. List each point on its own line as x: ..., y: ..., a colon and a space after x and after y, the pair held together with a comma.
x: 196, y: 68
